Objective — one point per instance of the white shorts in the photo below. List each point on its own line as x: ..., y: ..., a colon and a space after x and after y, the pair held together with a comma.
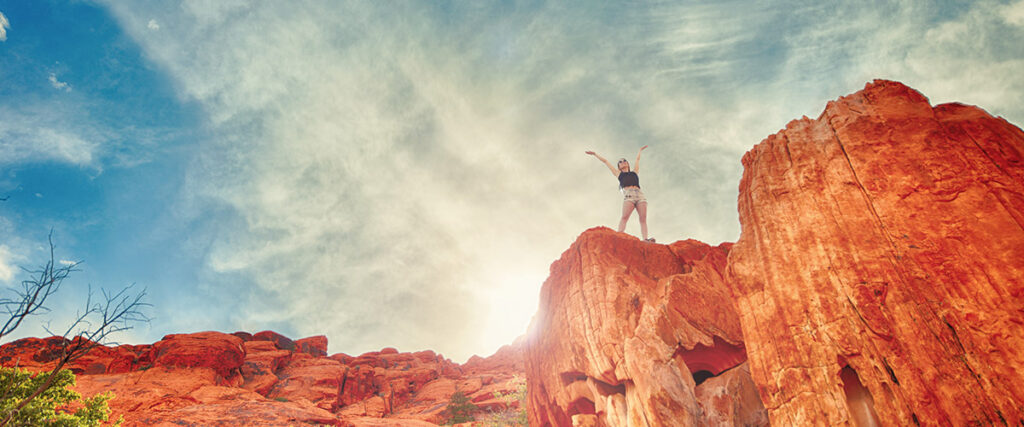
x: 634, y: 195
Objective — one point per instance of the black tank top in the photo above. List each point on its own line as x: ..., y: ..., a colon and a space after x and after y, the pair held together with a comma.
x: 628, y: 179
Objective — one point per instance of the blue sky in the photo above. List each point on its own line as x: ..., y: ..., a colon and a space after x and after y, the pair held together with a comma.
x: 403, y: 173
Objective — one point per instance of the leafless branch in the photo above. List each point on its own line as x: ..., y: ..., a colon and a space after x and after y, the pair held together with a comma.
x: 116, y: 312
x: 30, y: 299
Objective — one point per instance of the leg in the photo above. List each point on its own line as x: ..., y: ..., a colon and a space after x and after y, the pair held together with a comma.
x: 627, y: 209
x: 641, y: 209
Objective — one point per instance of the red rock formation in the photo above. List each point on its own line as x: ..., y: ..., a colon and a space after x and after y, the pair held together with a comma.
x: 880, y: 271
x: 221, y: 352
x: 623, y: 329
x: 211, y: 379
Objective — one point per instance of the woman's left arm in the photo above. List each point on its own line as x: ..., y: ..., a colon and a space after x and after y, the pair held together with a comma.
x: 636, y: 164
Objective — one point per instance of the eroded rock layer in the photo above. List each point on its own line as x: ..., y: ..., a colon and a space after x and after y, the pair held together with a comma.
x: 625, y: 331
x: 214, y: 379
x: 880, y: 271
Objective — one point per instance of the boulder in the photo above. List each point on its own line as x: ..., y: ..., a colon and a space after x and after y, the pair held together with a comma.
x: 218, y: 351
x: 282, y: 342
x: 316, y: 345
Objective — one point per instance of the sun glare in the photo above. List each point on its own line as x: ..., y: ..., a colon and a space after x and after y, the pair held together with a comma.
x: 511, y: 302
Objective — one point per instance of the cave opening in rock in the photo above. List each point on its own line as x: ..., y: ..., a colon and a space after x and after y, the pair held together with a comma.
x: 719, y: 357
x: 858, y: 399
x: 701, y: 376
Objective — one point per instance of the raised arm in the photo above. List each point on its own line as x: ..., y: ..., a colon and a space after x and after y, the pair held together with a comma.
x: 602, y: 159
x: 636, y: 164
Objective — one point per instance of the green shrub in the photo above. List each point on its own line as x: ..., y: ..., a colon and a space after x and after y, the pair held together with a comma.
x: 510, y: 416
x: 460, y: 409
x: 46, y: 409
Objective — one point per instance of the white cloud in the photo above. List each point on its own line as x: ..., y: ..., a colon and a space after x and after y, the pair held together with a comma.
x: 4, y: 25
x: 57, y: 84
x: 388, y: 177
x: 32, y: 134
x: 47, y: 143
x: 1014, y: 13
x: 6, y: 269
x: 153, y: 25
x: 973, y: 58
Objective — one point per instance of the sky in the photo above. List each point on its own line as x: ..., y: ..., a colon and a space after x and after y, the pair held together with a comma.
x: 403, y: 173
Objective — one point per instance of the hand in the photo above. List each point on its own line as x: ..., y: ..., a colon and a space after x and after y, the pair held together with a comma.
x: 591, y: 153
x: 642, y: 148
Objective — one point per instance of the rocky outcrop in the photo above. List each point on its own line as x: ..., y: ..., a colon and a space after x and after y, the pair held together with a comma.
x: 629, y: 332
x: 878, y: 280
x: 213, y: 379
x: 880, y: 272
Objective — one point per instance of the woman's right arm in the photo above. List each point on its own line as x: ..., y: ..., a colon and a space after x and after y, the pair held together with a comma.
x: 602, y: 159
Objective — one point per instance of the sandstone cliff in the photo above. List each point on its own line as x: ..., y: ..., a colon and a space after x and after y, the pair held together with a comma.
x: 217, y: 379
x: 878, y: 280
x: 880, y: 270
x: 628, y: 333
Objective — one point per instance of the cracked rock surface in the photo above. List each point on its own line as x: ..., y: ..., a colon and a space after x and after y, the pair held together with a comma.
x: 626, y: 329
x: 880, y: 271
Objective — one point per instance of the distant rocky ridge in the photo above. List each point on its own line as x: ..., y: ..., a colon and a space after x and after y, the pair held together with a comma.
x: 218, y: 379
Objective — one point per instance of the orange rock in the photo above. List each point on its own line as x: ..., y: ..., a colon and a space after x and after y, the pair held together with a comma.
x: 315, y: 379
x: 618, y: 323
x: 198, y: 379
x: 282, y: 342
x: 41, y: 354
x: 316, y: 346
x: 221, y: 352
x: 731, y: 399
x: 508, y: 359
x: 880, y: 272
x: 262, y: 363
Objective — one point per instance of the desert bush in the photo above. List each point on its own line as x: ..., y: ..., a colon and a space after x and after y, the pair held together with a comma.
x: 512, y: 415
x: 47, y: 408
x: 460, y: 409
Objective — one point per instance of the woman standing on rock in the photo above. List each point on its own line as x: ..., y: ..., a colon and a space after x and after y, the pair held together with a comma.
x: 629, y: 184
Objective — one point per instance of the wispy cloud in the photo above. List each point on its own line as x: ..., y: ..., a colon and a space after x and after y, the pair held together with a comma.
x: 404, y: 174
x: 25, y: 137
x: 153, y: 25
x: 4, y: 25
x: 6, y: 269
x: 1013, y: 13
x: 57, y: 84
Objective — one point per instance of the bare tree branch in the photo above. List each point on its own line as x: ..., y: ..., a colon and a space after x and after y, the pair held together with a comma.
x: 35, y: 291
x: 117, y: 312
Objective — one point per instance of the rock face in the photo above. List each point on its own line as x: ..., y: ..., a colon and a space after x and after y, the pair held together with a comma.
x: 627, y: 329
x: 880, y: 272
x: 878, y: 280
x: 216, y: 379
